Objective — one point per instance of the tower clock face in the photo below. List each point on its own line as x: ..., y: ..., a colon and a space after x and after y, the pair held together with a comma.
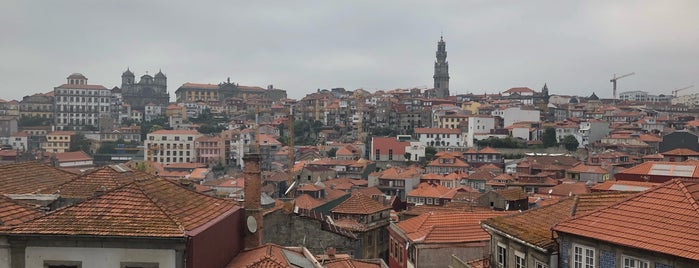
x: 252, y: 224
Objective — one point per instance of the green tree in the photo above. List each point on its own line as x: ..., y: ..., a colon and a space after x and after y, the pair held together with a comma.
x: 32, y: 121
x: 332, y: 152
x: 79, y: 143
x: 429, y: 153
x: 107, y: 147
x: 570, y: 143
x: 549, y: 137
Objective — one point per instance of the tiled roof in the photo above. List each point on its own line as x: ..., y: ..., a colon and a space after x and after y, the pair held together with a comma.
x: 582, y: 168
x: 681, y: 152
x: 148, y: 208
x: 174, y: 132
x: 670, y: 168
x: 428, y: 190
x: 351, y: 263
x: 627, y: 186
x: 488, y: 150
x: 534, y: 226
x: 359, y: 203
x: 519, y: 90
x: 437, y: 131
x: 31, y: 177
x: 266, y: 256
x: 664, y: 219
x: 104, y: 179
x: 448, y: 227
x: 76, y: 86
x: 566, y: 189
x: 305, y: 201
x: 73, y: 156
x: 389, y: 143
x: 13, y: 213
x: 512, y: 194
x: 457, y: 163
x: 197, y: 86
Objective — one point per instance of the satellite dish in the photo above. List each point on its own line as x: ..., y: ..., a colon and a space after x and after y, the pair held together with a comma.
x: 252, y: 224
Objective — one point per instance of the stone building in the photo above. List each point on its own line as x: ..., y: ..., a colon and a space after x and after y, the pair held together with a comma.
x: 148, y: 89
x: 37, y: 105
x: 79, y: 105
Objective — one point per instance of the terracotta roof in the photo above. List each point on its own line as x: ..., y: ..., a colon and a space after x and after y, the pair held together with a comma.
x: 174, y: 132
x: 519, y: 90
x: 352, y: 263
x: 448, y: 227
x: 369, y: 191
x: 681, y: 152
x: 674, y: 169
x: 437, y: 131
x: 148, y: 208
x: 512, y: 194
x: 458, y: 163
x: 534, y: 226
x: 664, y: 219
x: 31, y: 177
x: 72, y: 156
x: 359, y: 203
x: 488, y: 150
x: 385, y: 143
x: 566, y: 189
x: 199, y: 86
x: 626, y: 186
x: 266, y: 256
x: 103, y: 179
x: 429, y: 190
x: 582, y: 168
x: 56, y: 133
x: 307, y: 202
x: 13, y: 213
x: 76, y: 86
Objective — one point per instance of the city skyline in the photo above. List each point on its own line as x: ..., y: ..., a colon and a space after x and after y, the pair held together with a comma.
x: 573, y: 47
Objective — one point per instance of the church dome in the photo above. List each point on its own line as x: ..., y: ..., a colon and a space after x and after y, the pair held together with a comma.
x: 146, y: 76
x: 76, y: 76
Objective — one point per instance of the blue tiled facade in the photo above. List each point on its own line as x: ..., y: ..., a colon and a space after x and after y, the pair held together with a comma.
x: 660, y: 265
x: 607, y: 259
x: 565, y: 249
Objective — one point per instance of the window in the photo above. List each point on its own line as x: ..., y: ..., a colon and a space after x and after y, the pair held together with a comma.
x: 538, y: 264
x: 63, y: 264
x: 583, y: 257
x: 502, y: 255
x: 631, y: 262
x: 520, y: 260
x: 429, y: 201
x: 390, y: 154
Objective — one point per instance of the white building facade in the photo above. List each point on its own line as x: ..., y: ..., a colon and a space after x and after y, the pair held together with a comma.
x: 79, y: 105
x: 171, y: 146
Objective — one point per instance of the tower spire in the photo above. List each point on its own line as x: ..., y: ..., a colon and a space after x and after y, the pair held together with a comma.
x: 441, y: 71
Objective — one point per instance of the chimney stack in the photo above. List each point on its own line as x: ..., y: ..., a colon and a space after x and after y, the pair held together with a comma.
x: 252, y: 204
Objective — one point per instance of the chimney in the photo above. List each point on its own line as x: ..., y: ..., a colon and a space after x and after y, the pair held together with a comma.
x: 252, y: 204
x: 331, y: 253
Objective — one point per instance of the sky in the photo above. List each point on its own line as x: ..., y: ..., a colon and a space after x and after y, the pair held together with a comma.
x: 301, y: 46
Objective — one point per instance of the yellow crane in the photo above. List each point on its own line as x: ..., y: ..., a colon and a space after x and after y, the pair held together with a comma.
x: 614, y: 79
x: 674, y: 92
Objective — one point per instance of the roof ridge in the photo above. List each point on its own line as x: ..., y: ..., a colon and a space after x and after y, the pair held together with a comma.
x: 688, y: 195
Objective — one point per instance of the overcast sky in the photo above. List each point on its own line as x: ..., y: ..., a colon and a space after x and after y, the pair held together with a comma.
x: 300, y: 46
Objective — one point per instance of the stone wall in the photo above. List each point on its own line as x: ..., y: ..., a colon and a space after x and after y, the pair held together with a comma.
x: 293, y: 230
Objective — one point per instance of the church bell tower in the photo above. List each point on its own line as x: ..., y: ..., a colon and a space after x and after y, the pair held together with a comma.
x: 441, y: 71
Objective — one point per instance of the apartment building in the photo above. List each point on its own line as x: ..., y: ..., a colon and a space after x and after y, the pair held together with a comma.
x: 171, y: 146
x: 79, y: 105
x: 57, y: 141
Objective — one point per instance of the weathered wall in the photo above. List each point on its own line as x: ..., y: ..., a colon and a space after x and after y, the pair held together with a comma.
x: 292, y: 230
x: 441, y: 256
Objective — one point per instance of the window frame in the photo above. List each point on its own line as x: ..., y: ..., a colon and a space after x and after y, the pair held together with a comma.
x: 501, y: 255
x: 638, y: 262
x: 520, y: 260
x: 584, y: 256
x: 58, y: 263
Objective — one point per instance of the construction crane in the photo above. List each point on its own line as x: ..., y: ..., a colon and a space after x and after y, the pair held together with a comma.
x: 613, y: 80
x: 292, y: 153
x: 674, y: 92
